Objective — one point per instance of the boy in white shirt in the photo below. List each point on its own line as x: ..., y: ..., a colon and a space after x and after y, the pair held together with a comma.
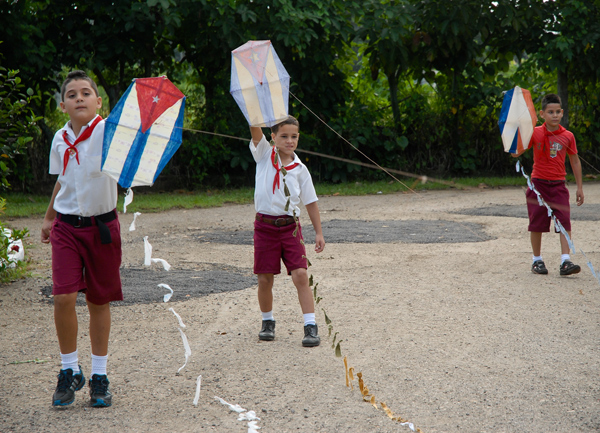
x: 82, y: 225
x: 282, y: 181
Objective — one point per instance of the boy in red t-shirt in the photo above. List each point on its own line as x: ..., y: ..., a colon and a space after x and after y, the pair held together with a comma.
x: 551, y: 144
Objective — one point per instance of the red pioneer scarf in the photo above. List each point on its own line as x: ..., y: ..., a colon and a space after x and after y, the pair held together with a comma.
x: 72, y: 150
x: 275, y: 161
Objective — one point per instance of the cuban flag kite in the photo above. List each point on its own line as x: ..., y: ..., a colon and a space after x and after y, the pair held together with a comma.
x: 259, y: 83
x: 143, y: 131
x: 517, y: 120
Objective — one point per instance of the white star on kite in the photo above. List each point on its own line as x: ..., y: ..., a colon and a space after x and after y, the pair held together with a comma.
x: 155, y: 99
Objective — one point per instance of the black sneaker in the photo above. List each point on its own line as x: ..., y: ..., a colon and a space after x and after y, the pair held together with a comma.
x: 68, y: 383
x: 569, y: 268
x: 311, y: 336
x: 100, y: 396
x: 539, y: 267
x: 267, y: 332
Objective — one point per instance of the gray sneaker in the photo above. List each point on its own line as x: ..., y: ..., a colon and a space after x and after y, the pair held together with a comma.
x: 267, y: 332
x: 67, y: 384
x: 311, y: 336
x: 100, y: 396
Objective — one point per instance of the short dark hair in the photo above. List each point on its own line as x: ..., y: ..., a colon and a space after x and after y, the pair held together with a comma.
x: 551, y: 98
x: 77, y: 75
x: 291, y: 120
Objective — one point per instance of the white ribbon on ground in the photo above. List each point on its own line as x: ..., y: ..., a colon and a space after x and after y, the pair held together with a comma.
x: 128, y: 199
x: 148, y: 260
x: 186, y: 346
x: 167, y: 296
x: 197, y: 397
x: 132, y: 226
x: 589, y: 263
x: 245, y: 415
x: 236, y: 408
x: 178, y: 318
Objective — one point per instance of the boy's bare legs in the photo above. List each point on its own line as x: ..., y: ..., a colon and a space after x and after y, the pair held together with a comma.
x: 99, y: 327
x: 65, y: 321
x: 300, y: 280
x: 265, y: 292
x: 564, y: 244
x: 536, y: 243
x: 307, y: 303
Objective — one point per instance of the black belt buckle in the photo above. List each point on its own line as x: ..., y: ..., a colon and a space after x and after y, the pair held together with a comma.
x: 280, y: 222
x: 79, y: 222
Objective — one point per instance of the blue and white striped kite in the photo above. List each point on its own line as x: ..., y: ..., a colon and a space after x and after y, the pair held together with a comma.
x: 143, y: 131
x: 517, y: 120
x: 259, y: 83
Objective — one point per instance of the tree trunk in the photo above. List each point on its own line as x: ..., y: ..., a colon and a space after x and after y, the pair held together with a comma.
x: 563, y: 92
x: 393, y: 84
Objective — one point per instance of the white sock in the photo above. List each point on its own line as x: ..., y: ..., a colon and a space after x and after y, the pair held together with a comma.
x: 70, y: 360
x: 309, y: 319
x: 536, y: 258
x: 268, y: 315
x: 99, y: 365
x: 564, y: 257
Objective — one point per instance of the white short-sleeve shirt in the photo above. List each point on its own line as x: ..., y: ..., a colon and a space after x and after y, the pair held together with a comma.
x: 84, y: 189
x: 298, y: 181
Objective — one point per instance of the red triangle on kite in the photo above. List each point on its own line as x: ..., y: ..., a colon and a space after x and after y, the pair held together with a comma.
x: 253, y: 55
x: 155, y: 96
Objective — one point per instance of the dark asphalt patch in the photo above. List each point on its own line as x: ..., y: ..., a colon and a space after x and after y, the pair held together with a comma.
x: 586, y: 212
x: 359, y: 231
x: 140, y: 285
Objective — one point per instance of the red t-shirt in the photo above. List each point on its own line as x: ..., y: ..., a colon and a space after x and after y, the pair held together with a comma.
x: 550, y: 149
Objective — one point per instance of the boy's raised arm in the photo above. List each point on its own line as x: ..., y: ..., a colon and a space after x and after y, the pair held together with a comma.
x: 257, y: 134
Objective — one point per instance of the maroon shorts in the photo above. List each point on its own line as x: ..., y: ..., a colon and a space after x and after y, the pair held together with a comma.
x: 556, y: 195
x: 80, y: 262
x: 273, y: 244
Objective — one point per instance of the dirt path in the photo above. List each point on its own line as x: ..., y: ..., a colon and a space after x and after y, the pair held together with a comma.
x: 431, y: 295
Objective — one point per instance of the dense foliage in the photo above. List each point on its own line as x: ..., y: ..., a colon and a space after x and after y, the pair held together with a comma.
x: 415, y: 85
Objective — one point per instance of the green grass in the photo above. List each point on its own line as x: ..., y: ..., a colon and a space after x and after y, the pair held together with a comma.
x: 20, y: 205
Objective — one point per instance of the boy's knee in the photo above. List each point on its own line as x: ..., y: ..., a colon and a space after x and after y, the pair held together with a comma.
x: 65, y: 301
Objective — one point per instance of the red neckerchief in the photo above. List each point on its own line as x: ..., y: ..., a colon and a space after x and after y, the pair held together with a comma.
x: 72, y: 149
x: 275, y: 161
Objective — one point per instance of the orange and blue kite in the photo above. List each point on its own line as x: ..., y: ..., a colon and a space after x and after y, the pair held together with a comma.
x: 517, y: 120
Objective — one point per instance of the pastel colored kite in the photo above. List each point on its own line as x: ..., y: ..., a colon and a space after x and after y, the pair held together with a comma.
x: 143, y: 131
x: 517, y: 120
x: 259, y: 83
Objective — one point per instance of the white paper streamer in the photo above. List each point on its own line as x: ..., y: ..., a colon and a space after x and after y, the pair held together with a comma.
x: 166, y: 266
x: 410, y: 425
x: 186, y: 346
x: 197, y: 397
x: 167, y: 296
x: 178, y: 318
x: 128, y: 199
x: 248, y: 416
x: 589, y: 263
x: 236, y: 408
x: 148, y: 260
x: 252, y: 427
x: 147, y: 251
x: 132, y: 226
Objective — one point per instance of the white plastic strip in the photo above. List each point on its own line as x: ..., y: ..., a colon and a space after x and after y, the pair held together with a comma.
x: 128, y: 199
x: 589, y: 263
x: 167, y: 296
x: 236, y: 408
x: 147, y: 252
x: 148, y: 260
x: 166, y: 266
x: 197, y: 397
x: 178, y: 318
x: 132, y: 226
x: 186, y: 346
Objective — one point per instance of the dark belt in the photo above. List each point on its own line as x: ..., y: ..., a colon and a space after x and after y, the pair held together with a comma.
x: 98, y: 220
x: 547, y: 181
x: 277, y: 222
